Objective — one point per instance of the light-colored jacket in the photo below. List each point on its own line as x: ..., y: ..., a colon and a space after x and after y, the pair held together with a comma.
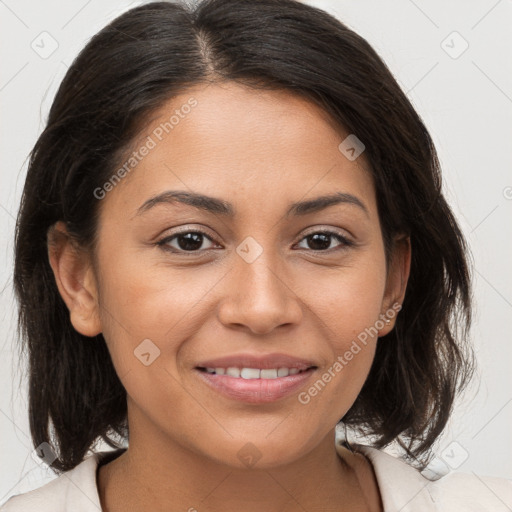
x: 402, y: 488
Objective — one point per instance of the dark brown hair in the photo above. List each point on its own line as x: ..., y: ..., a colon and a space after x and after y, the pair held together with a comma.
x: 130, y: 68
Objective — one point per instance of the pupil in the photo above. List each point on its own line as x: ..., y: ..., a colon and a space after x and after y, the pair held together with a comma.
x: 190, y: 241
x: 321, y: 240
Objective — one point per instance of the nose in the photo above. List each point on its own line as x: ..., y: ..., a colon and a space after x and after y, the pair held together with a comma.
x: 259, y: 298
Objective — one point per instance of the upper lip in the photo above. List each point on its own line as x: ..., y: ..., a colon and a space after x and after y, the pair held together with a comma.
x: 262, y: 361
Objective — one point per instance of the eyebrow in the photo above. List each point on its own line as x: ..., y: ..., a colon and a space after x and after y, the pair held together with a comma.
x: 220, y: 207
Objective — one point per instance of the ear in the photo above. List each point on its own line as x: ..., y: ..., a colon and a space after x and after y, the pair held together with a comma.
x: 75, y: 279
x: 396, y: 282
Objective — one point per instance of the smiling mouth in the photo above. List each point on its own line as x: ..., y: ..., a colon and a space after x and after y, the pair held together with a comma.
x: 256, y: 385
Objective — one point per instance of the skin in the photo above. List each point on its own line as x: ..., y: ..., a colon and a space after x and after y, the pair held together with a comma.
x: 261, y: 151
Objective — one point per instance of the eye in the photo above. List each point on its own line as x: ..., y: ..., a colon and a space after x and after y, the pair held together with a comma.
x: 186, y: 241
x: 320, y: 241
x: 192, y: 241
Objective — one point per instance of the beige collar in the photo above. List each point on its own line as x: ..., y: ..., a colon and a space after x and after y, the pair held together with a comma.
x: 402, y: 487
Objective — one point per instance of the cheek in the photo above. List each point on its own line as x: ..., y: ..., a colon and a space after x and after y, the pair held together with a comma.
x: 152, y: 308
x: 350, y: 300
x: 138, y: 304
x: 348, y: 307
x: 147, y: 315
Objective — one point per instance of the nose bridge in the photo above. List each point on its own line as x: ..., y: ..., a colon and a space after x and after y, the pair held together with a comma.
x: 257, y: 268
x: 259, y: 296
x: 260, y: 277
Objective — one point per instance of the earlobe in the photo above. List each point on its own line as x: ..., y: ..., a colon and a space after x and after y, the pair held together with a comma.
x: 75, y: 281
x: 396, y: 284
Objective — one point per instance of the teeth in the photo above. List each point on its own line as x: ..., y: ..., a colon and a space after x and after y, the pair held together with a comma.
x: 233, y: 372
x: 254, y: 373
x: 250, y: 373
x: 268, y: 374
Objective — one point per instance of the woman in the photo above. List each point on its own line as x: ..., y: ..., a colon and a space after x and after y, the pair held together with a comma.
x: 233, y: 240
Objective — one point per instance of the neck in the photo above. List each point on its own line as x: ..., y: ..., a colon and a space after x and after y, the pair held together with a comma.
x: 150, y: 476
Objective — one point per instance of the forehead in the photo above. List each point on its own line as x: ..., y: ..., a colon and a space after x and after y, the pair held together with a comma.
x: 260, y: 147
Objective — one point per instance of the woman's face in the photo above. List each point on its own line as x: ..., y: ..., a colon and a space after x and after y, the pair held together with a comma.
x: 241, y: 274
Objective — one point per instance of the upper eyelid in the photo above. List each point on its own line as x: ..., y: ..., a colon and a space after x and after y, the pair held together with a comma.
x: 320, y: 229
x: 310, y: 231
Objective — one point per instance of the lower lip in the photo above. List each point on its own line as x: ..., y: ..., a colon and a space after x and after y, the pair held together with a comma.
x: 256, y: 390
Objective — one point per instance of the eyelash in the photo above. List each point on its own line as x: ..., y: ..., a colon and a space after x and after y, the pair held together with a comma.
x: 345, y: 242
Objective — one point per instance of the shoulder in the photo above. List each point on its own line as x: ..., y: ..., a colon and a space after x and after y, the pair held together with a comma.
x: 77, y: 487
x: 403, y: 488
x: 470, y: 492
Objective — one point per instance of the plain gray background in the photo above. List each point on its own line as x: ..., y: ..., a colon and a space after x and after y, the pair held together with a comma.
x: 464, y: 96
